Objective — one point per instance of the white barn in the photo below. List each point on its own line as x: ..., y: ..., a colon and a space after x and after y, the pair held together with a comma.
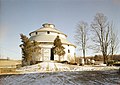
x: 46, y: 36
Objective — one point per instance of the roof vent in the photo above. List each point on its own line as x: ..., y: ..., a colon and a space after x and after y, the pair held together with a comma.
x: 46, y: 25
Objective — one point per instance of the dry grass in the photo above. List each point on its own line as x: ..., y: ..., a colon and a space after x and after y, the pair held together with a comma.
x: 8, y: 66
x: 9, y: 62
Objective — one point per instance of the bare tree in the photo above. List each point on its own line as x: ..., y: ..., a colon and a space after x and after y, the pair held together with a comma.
x: 101, y: 28
x: 114, y: 44
x: 81, y: 37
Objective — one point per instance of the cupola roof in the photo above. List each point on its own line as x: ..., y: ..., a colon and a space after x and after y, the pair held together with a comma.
x: 48, y: 27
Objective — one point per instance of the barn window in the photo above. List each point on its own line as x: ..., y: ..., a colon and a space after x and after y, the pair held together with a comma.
x: 48, y: 32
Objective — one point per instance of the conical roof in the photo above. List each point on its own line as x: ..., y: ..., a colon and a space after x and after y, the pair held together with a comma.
x: 49, y: 38
x: 48, y: 27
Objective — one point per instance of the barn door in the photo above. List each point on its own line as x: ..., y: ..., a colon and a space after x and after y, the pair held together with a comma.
x: 52, y: 54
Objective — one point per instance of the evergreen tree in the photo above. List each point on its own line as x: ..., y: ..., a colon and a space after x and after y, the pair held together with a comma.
x: 29, y: 48
x: 36, y: 50
x: 58, y: 48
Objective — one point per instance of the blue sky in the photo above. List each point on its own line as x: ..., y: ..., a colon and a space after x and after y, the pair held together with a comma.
x: 24, y: 16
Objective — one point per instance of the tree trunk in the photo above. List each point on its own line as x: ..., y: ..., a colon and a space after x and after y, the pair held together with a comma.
x: 84, y: 55
x: 112, y: 54
x: 104, y: 58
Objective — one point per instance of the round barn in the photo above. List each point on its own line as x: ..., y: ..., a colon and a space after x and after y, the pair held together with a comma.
x: 46, y: 36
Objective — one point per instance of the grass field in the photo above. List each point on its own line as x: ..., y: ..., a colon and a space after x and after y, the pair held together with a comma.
x: 9, y: 62
x: 7, y: 66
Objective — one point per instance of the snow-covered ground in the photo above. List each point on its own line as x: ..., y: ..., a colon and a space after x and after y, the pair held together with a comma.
x: 63, y: 78
x: 51, y: 73
x: 53, y: 67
